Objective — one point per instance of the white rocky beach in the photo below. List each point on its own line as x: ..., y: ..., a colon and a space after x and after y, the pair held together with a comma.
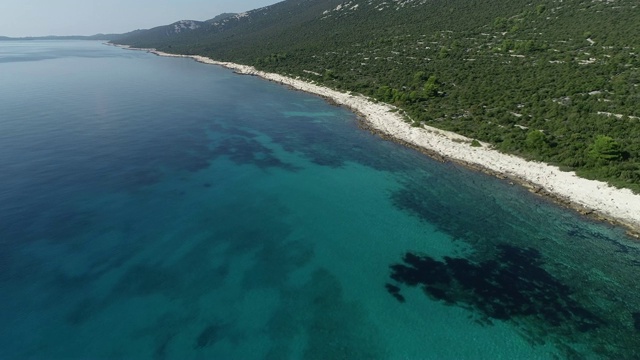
x: 589, y: 196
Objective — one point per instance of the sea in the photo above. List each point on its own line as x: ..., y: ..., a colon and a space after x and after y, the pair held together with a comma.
x: 160, y: 208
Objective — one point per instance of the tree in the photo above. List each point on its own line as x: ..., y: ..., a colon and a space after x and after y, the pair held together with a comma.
x: 605, y: 148
x: 536, y: 142
x: 431, y: 87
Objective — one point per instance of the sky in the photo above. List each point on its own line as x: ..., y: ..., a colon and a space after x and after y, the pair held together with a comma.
x: 19, y: 18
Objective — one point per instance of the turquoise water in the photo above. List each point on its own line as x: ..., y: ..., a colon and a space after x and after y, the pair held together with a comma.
x: 160, y: 208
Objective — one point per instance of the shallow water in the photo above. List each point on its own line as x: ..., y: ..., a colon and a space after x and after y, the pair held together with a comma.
x: 160, y: 208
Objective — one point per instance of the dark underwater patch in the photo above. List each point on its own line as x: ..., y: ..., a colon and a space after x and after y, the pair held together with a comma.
x: 584, y: 234
x: 144, y: 280
x: 636, y: 320
x: 243, y: 151
x: 230, y: 130
x: 513, y: 285
x: 325, y: 158
x: 208, y: 336
x: 82, y: 311
x: 331, y: 146
x: 395, y: 292
x: 276, y: 261
x: 163, y: 343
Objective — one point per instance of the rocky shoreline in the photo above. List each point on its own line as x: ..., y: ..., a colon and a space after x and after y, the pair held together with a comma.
x: 592, y: 198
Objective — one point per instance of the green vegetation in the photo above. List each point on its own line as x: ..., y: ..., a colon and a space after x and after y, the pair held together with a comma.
x: 605, y: 150
x: 555, y: 81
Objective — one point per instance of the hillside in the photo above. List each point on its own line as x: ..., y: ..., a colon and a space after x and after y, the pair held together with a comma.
x: 166, y: 33
x: 553, y: 80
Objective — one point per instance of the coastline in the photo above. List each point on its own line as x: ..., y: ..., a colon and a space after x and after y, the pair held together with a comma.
x: 592, y: 198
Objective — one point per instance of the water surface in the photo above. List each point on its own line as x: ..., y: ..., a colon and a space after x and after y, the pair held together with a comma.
x: 160, y: 208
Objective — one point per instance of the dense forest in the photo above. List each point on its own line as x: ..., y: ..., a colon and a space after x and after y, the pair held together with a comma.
x: 552, y: 80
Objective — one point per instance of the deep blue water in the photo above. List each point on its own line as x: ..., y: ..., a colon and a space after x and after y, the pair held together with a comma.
x: 160, y: 208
